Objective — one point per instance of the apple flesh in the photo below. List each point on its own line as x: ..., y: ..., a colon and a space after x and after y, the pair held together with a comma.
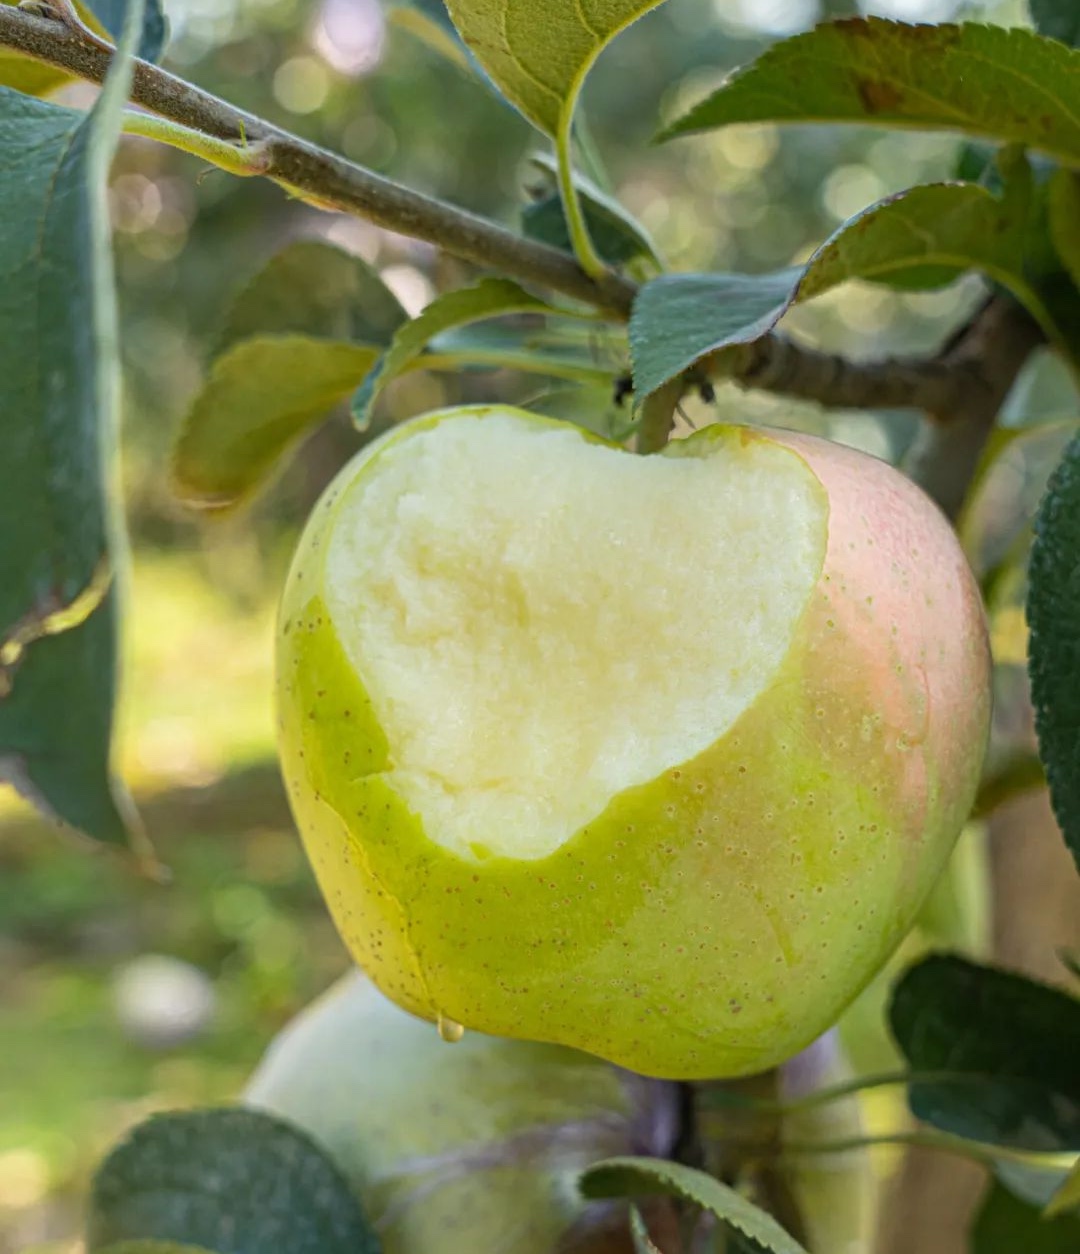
x: 474, y: 1147
x: 652, y: 757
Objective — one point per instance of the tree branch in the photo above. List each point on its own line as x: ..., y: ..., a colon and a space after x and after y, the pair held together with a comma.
x: 961, y: 388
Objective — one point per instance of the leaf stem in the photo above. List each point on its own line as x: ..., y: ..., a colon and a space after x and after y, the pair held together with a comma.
x: 237, y: 158
x: 580, y: 239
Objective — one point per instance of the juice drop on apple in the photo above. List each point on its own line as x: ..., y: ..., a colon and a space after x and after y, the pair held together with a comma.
x: 450, y: 1031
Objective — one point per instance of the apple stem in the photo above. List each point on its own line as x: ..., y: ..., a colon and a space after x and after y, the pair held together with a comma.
x: 658, y: 415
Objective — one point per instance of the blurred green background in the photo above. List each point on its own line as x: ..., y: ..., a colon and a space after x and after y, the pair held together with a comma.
x: 84, y: 1047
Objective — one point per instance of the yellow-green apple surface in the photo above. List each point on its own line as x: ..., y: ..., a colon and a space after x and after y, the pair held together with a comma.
x: 471, y: 1149
x: 656, y: 757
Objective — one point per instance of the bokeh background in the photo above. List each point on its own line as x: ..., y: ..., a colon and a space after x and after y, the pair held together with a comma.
x: 118, y: 996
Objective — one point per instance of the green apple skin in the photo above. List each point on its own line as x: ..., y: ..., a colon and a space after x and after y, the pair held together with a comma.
x: 468, y: 1147
x: 715, y: 921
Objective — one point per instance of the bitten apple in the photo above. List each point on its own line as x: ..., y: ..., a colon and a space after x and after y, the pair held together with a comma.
x: 472, y: 1148
x: 656, y: 757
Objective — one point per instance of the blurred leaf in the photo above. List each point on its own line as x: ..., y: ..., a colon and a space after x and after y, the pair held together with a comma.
x: 1009, y: 481
x: 235, y: 1181
x: 59, y: 392
x: 1053, y: 615
x: 1059, y: 19
x: 525, y: 349
x: 261, y: 397
x: 618, y: 236
x: 315, y: 289
x: 1018, y: 1040
x: 155, y: 1247
x: 1018, y: 773
x: 538, y: 54
x: 1067, y: 1198
x: 487, y: 299
x: 934, y: 231
x: 111, y: 15
x: 105, y: 17
x: 1006, y: 1225
x: 429, y: 22
x: 1064, y: 218
x: 1006, y: 84
x: 637, y: 1177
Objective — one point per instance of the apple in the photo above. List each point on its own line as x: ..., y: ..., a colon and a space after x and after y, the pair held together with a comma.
x: 473, y: 1146
x: 655, y: 757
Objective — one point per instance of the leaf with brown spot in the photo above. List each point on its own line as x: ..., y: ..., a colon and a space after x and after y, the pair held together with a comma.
x: 1010, y: 85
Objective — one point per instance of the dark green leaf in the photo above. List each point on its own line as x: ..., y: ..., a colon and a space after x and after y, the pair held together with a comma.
x: 1006, y: 1225
x: 234, y: 1181
x: 315, y: 289
x: 261, y: 397
x: 933, y: 232
x: 59, y: 394
x: 1059, y: 19
x: 1010, y: 85
x: 155, y: 30
x: 487, y: 299
x: 539, y: 54
x: 618, y: 236
x: 1063, y: 204
x: 1017, y: 1040
x: 1053, y: 614
x: 639, y: 1177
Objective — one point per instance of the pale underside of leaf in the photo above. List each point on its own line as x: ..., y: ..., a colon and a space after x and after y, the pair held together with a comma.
x: 539, y: 54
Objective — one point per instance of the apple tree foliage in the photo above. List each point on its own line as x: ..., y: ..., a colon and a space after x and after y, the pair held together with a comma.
x: 993, y: 1059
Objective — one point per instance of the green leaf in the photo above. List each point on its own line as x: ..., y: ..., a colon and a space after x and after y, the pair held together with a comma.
x: 618, y: 236
x: 1010, y: 85
x: 1006, y: 1225
x: 1067, y: 1198
x: 1059, y: 19
x: 538, y: 54
x: 298, y: 338
x: 1053, y: 615
x: 932, y: 232
x: 637, y: 1177
x: 1063, y: 207
x: 489, y: 298
x: 235, y: 1181
x: 315, y: 289
x: 260, y: 398
x: 59, y: 391
x: 106, y: 17
x: 1017, y: 1040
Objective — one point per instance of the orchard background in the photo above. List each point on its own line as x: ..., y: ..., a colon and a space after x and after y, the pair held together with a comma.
x: 159, y: 457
